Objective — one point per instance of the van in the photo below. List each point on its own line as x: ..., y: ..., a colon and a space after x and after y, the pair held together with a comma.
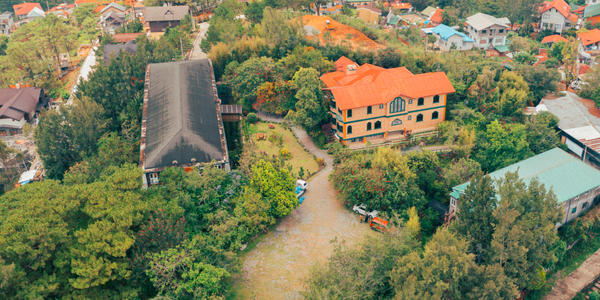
x: 302, y: 184
x: 378, y: 224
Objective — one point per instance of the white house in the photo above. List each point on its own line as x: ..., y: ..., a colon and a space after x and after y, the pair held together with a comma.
x: 556, y: 15
x: 487, y: 31
x: 448, y: 38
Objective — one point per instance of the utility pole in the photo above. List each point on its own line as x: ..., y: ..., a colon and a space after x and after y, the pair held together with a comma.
x: 181, y: 43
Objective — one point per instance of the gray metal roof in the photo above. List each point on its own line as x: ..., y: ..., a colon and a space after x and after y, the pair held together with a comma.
x: 571, y: 111
x: 181, y: 124
x: 165, y: 13
x: 130, y: 47
x: 115, y: 5
x: 481, y: 21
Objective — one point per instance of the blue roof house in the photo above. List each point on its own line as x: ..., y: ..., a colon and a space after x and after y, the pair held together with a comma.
x: 575, y: 183
x: 449, y: 39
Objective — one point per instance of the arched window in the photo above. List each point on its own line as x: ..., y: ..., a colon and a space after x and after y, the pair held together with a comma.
x: 396, y: 122
x: 349, y: 130
x: 436, y: 99
x: 434, y: 115
x: 369, y: 126
x: 397, y: 105
x: 409, y: 117
x: 420, y: 118
x: 369, y: 110
x: 420, y: 102
x: 378, y: 125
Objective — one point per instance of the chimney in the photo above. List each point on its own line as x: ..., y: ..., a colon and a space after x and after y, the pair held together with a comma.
x: 350, y: 69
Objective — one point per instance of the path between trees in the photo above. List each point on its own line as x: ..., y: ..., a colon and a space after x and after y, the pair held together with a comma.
x: 567, y: 288
x: 197, y: 52
x: 277, y: 266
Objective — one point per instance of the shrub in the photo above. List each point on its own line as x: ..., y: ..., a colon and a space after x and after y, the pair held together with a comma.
x: 594, y: 295
x: 252, y: 118
x: 285, y: 153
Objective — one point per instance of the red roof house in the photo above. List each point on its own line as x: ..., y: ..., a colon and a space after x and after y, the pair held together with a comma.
x: 551, y: 39
x: 590, y: 38
x: 22, y: 10
x: 551, y: 9
x: 371, y: 101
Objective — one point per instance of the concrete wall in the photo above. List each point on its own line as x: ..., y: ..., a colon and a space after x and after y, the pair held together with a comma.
x: 587, y: 199
x: 391, y: 122
x: 368, y: 16
x: 553, y: 18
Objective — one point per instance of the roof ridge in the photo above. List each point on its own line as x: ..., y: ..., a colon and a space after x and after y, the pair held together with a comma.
x: 10, y: 102
x: 577, y: 106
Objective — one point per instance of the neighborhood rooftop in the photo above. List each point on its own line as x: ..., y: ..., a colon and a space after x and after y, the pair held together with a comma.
x: 446, y: 32
x: 481, y: 21
x: 182, y: 125
x: 566, y: 174
x: 15, y: 103
x: 165, y: 13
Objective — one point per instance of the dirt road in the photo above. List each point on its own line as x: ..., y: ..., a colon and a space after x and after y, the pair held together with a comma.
x: 568, y: 287
x: 276, y: 267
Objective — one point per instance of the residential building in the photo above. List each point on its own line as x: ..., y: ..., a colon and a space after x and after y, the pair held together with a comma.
x: 435, y: 19
x: 7, y: 23
x: 113, y: 7
x: 115, y: 50
x: 160, y: 17
x: 22, y: 10
x: 139, y: 9
x: 327, y: 8
x: 575, y: 184
x: 449, y: 39
x: 578, y: 123
x: 592, y: 14
x: 487, y: 31
x: 63, y: 10
x: 428, y: 11
x: 17, y: 107
x: 398, y: 5
x: 181, y: 120
x: 36, y: 13
x: 112, y: 21
x: 590, y: 40
x: 370, y: 102
x: 553, y: 39
x: 122, y: 38
x: 369, y: 13
x: 556, y: 15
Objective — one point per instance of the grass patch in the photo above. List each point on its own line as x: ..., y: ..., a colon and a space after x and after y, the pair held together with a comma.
x: 300, y: 158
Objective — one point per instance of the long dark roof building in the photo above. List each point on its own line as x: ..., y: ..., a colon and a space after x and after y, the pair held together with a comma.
x: 181, y: 123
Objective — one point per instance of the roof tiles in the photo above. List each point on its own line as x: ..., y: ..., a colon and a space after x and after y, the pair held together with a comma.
x: 590, y: 37
x: 25, y: 8
x: 554, y: 39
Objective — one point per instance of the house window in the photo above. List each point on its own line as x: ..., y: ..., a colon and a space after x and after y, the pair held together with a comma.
x: 3, y: 133
x: 369, y: 110
x: 378, y: 125
x: 340, y: 129
x: 434, y: 115
x: 397, y: 105
x: 421, y: 101
x: 349, y: 129
x: 333, y: 104
x: 574, y: 210
x: 409, y: 101
x: 482, y: 41
x: 369, y: 126
x: 557, y: 26
x: 464, y: 44
x: 420, y: 118
x: 339, y: 111
x: 546, y: 16
x: 409, y: 117
x: 584, y: 205
x: 380, y: 106
x: 349, y: 113
x: 484, y: 31
x: 436, y: 99
x: 501, y: 31
x: 396, y: 122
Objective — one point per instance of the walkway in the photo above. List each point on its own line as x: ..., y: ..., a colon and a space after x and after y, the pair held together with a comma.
x: 568, y: 287
x: 277, y: 266
x: 197, y: 53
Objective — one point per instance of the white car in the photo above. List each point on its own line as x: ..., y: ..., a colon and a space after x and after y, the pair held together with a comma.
x: 361, y: 210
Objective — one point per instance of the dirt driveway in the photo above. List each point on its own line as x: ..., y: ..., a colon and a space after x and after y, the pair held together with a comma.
x: 568, y: 287
x: 276, y: 267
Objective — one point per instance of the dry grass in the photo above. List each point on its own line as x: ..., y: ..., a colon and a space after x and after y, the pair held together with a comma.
x: 300, y: 158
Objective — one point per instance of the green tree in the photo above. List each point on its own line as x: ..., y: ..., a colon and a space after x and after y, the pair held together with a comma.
x: 362, y: 272
x: 512, y: 103
x: 541, y: 133
x: 246, y: 78
x: 524, y: 232
x: 540, y: 80
x: 570, y: 53
x: 446, y: 270
x: 310, y: 109
x: 54, y: 144
x: 557, y: 49
x: 502, y: 146
x: 254, y: 11
x: 460, y: 171
x: 475, y: 216
x: 83, y: 12
x: 275, y: 186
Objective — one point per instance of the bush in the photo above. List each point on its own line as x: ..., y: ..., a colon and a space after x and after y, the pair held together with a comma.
x: 285, y: 153
x: 252, y: 118
x: 594, y: 295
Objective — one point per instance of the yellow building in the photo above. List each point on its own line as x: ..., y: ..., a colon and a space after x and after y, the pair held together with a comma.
x: 369, y: 13
x: 372, y: 102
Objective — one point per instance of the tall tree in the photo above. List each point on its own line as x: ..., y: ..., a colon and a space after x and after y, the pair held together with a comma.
x: 310, y: 108
x: 569, y: 59
x: 502, y: 146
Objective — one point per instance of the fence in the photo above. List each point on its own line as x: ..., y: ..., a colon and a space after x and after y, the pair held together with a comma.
x: 401, y: 142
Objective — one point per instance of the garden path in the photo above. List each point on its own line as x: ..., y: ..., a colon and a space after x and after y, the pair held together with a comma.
x: 568, y: 287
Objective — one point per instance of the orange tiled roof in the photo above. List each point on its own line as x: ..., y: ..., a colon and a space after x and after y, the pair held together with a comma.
x: 590, y: 37
x: 399, y: 5
x: 331, y: 9
x: 554, y: 39
x: 540, y: 59
x: 342, y: 62
x: 79, y: 2
x: 437, y: 16
x: 25, y: 8
x: 373, y: 85
x: 560, y: 5
x: 580, y: 10
x: 99, y: 8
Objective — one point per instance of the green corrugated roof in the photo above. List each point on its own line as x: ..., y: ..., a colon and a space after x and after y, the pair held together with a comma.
x: 455, y: 194
x: 573, y: 6
x: 394, y: 20
x: 566, y: 174
x: 502, y: 48
x: 591, y: 10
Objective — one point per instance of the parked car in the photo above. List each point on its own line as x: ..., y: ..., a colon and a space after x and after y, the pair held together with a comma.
x: 380, y: 225
x: 362, y: 210
x: 301, y: 183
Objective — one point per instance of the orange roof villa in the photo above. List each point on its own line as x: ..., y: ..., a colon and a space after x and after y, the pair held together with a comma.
x: 369, y: 102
